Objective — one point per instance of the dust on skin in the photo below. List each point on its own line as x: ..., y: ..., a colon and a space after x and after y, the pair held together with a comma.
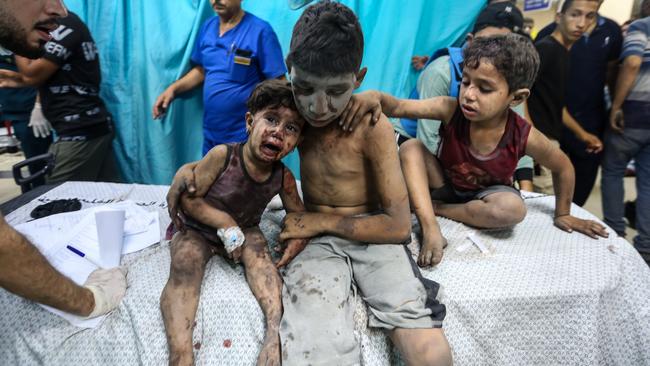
x: 321, y: 99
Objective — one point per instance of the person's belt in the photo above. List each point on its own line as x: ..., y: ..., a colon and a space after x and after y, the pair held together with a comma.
x: 90, y: 133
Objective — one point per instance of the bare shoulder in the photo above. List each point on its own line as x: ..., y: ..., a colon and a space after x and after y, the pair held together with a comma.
x: 379, y: 140
x: 382, y: 130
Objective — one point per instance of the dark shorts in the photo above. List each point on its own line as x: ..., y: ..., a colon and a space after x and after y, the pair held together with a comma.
x: 448, y: 194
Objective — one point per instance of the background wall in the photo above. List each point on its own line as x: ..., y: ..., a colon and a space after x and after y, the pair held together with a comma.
x: 145, y: 45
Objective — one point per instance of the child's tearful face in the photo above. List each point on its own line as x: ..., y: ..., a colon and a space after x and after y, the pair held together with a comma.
x: 321, y: 99
x: 274, y: 132
x: 484, y: 93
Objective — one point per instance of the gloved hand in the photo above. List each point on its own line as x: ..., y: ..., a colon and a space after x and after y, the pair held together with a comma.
x: 108, y: 287
x: 40, y: 126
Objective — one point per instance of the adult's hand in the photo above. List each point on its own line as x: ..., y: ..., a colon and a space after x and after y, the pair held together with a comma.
x: 594, y: 145
x: 108, y: 287
x: 11, y: 79
x: 41, y: 127
x: 162, y: 103
x: 616, y: 120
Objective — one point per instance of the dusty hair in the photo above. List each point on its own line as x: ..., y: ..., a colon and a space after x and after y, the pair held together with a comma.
x: 327, y: 40
x: 271, y: 94
x: 514, y: 56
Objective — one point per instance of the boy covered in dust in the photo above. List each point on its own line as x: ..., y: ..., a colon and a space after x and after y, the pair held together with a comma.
x: 357, y: 214
x: 237, y: 182
x: 482, y: 140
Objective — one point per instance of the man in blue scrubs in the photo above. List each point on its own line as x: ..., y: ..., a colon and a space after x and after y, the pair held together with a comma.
x: 593, y: 61
x: 233, y: 52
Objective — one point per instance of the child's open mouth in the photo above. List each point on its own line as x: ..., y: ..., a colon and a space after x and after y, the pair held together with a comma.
x: 467, y: 110
x: 271, y: 149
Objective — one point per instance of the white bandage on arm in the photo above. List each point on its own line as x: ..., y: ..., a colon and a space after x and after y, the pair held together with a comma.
x: 232, y: 238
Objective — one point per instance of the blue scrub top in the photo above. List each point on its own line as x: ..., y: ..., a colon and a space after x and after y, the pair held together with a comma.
x: 234, y: 63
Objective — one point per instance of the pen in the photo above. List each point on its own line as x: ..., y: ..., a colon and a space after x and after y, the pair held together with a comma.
x: 82, y: 255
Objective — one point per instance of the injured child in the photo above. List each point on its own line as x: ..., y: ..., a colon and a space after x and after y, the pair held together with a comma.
x: 238, y: 182
x: 471, y: 179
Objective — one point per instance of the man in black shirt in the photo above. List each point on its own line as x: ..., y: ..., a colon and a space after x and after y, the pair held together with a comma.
x: 594, y: 60
x: 546, y: 104
x: 24, y: 271
x: 68, y: 77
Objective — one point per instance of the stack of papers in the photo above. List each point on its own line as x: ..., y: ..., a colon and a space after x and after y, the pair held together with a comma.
x: 53, y: 234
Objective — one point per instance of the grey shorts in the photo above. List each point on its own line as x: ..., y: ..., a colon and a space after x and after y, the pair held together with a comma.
x: 448, y: 194
x: 320, y: 289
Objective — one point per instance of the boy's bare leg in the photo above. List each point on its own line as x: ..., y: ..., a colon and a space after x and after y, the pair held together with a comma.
x: 497, y: 210
x: 190, y: 253
x: 422, y: 171
x: 422, y: 346
x: 266, y: 285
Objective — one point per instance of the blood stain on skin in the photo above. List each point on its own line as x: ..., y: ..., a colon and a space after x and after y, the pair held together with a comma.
x: 227, y: 343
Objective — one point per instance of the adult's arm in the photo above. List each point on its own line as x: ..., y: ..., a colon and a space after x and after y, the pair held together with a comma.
x: 25, y: 272
x: 626, y: 79
x: 189, y: 81
x: 594, y: 145
x: 36, y: 72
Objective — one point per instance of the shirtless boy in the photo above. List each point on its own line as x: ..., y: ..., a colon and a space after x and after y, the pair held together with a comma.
x: 355, y: 195
x: 236, y: 183
x: 482, y: 140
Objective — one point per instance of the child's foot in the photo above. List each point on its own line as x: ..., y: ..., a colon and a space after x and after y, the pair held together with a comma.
x: 431, y: 249
x: 270, y: 353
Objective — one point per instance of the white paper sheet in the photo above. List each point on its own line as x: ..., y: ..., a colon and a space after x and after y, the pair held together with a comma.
x: 52, y: 234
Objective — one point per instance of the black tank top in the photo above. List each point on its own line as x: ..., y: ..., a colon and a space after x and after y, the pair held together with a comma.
x: 237, y: 194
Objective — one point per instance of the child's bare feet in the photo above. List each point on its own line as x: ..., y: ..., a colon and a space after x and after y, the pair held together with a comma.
x: 431, y: 249
x: 270, y: 353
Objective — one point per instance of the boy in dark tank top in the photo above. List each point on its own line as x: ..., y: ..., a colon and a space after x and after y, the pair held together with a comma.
x: 471, y: 177
x: 239, y: 180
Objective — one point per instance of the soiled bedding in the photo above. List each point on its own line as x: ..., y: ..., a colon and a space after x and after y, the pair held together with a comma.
x: 538, y: 296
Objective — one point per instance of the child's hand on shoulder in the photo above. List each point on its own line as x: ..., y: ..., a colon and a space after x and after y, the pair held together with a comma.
x: 590, y: 228
x: 360, y: 106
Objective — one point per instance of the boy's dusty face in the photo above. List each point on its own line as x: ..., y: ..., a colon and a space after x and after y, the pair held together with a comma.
x: 321, y: 99
x: 273, y: 132
x: 484, y: 93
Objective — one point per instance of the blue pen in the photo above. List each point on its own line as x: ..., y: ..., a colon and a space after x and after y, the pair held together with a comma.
x: 82, y: 255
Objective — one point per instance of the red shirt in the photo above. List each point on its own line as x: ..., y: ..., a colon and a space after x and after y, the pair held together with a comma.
x: 470, y: 171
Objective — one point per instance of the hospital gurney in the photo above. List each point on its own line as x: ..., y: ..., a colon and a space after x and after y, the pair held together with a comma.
x: 537, y: 296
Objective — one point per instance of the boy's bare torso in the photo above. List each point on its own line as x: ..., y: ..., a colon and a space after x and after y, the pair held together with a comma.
x: 336, y: 176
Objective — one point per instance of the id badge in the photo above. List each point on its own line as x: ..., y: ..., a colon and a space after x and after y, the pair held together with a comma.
x: 242, y: 60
